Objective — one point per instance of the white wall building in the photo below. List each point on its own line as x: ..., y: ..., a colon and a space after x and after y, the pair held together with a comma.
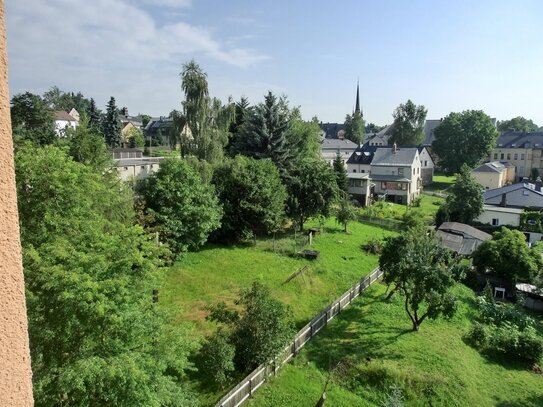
x: 64, y: 120
x: 134, y: 169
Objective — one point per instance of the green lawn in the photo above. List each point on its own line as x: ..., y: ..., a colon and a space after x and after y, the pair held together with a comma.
x: 217, y: 273
x: 388, y: 210
x: 440, y: 183
x: 433, y: 367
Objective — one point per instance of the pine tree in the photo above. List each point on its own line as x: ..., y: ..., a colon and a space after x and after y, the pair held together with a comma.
x: 341, y: 173
x: 354, y: 127
x: 94, y: 116
x: 112, y: 125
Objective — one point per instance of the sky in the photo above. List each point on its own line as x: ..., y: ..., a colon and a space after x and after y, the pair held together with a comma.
x: 446, y: 55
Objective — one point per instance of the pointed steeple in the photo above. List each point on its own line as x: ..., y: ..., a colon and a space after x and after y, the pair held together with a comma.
x: 357, y: 106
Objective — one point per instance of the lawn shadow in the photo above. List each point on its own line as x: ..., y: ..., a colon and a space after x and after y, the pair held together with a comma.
x: 534, y: 400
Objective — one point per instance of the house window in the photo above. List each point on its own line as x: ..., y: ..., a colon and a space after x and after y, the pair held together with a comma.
x: 126, y: 168
x: 495, y: 222
x: 501, y: 156
x: 362, y: 171
x: 515, y: 156
x: 413, y: 171
x: 522, y: 156
x: 525, y: 192
x: 495, y: 156
x: 143, y: 167
x: 508, y: 156
x: 521, y: 171
x: 383, y: 185
x: 400, y: 171
x: 354, y: 170
x: 426, y: 163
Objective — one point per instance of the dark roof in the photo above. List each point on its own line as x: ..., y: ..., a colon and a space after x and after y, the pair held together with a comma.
x: 62, y: 115
x: 331, y: 129
x: 158, y: 123
x: 493, y: 166
x: 520, y: 139
x: 402, y: 156
x: 135, y: 120
x: 515, y: 196
x: 461, y: 238
x: 334, y: 144
x: 465, y: 230
x: 362, y: 155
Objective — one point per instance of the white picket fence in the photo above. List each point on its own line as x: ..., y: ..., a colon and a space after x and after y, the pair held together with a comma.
x: 245, y: 389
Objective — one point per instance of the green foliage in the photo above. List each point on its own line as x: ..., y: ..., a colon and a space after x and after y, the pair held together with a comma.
x: 508, y: 256
x: 345, y: 212
x: 260, y: 330
x: 421, y: 270
x: 135, y: 138
x: 516, y: 344
x: 312, y: 190
x: 394, y: 398
x: 531, y: 221
x: 59, y: 100
x: 464, y: 201
x: 111, y: 126
x: 32, y: 119
x: 408, y: 126
x: 498, y: 314
x: 263, y: 329
x: 96, y: 337
x: 354, y: 127
x: 185, y: 209
x: 341, y: 174
x: 194, y: 85
x: 218, y: 357
x: 478, y: 336
x: 373, y: 246
x: 464, y: 138
x: 87, y: 146
x: 264, y: 132
x: 303, y: 139
x: 252, y: 197
x: 94, y: 117
x: 412, y: 220
x: 47, y: 179
x: 240, y: 115
x: 518, y: 123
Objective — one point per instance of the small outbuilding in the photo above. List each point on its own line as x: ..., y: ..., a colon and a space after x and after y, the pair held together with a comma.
x: 461, y: 238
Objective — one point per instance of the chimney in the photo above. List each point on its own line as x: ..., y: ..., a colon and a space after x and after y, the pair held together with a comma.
x: 124, y: 111
x: 538, y: 184
x: 504, y: 200
x: 394, y: 148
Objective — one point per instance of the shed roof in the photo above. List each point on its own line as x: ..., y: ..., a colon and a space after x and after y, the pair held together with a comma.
x: 389, y: 157
x: 65, y: 116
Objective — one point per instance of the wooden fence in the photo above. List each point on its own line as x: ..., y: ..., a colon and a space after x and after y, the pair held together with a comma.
x: 239, y: 394
x: 392, y: 224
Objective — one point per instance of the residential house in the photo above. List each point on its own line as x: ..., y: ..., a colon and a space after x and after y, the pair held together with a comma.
x: 75, y: 114
x: 381, y: 138
x: 332, y: 130
x: 63, y: 121
x: 125, y: 118
x: 360, y: 187
x: 360, y: 160
x: 128, y: 130
x: 523, y: 150
x: 493, y: 174
x: 396, y: 173
x: 427, y: 165
x: 158, y: 129
x: 504, y: 206
x: 460, y: 238
x: 330, y: 148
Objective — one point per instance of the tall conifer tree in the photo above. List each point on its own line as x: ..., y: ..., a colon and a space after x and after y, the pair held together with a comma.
x: 112, y: 125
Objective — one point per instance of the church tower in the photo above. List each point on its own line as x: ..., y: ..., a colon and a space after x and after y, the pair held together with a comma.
x: 357, y: 106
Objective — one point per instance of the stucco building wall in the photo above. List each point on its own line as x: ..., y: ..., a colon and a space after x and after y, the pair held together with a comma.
x: 15, y: 372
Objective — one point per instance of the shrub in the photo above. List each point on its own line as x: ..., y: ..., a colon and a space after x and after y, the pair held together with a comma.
x: 477, y: 336
x: 373, y: 246
x: 417, y: 201
x: 218, y: 357
x: 500, y: 314
x: 512, y: 342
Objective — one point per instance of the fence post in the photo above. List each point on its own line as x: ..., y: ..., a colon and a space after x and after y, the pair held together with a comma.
x: 250, y: 386
x: 311, y: 330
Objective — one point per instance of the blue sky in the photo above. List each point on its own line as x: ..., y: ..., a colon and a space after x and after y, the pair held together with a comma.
x: 446, y: 55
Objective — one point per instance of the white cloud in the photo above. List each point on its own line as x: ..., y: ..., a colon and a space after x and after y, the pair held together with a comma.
x: 108, y: 47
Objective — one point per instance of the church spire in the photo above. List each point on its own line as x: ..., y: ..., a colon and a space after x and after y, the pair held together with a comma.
x: 357, y: 106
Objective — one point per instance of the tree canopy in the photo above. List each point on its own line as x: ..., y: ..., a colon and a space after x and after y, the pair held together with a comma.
x: 32, y: 119
x: 464, y: 202
x: 252, y: 197
x: 507, y: 255
x: 341, y: 173
x: 408, y: 126
x: 96, y: 338
x: 422, y: 271
x: 185, y: 209
x: 464, y: 138
x: 518, y: 123
x: 354, y: 127
x: 112, y: 125
x: 312, y: 189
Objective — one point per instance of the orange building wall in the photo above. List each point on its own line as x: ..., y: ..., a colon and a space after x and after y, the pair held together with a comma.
x: 15, y: 373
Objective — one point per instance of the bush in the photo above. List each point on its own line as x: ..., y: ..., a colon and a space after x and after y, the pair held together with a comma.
x: 512, y: 342
x: 477, y: 336
x: 501, y: 314
x: 417, y: 201
x: 373, y: 246
x: 218, y: 357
